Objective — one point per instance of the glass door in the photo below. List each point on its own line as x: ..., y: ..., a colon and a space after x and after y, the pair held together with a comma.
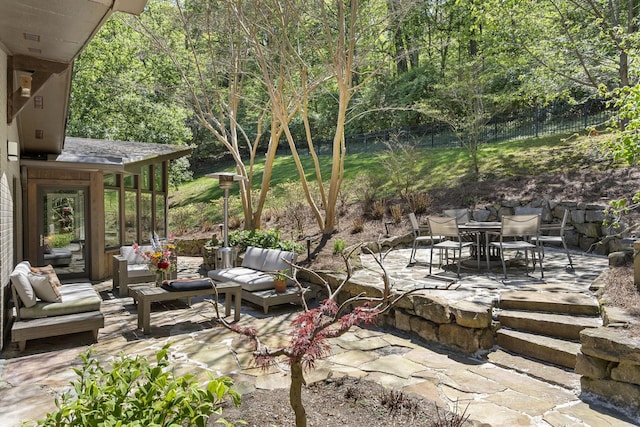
x: 62, y: 225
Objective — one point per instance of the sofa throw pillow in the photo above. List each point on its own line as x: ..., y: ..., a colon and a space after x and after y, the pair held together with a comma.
x: 23, y: 287
x: 48, y: 271
x: 47, y: 248
x: 44, y: 289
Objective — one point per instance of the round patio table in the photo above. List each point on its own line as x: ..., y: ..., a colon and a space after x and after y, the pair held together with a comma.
x: 483, y: 230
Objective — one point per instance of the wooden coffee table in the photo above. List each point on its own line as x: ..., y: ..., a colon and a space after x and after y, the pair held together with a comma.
x: 145, y: 295
x: 270, y: 297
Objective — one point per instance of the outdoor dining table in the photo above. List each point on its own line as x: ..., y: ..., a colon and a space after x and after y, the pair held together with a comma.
x: 482, y: 230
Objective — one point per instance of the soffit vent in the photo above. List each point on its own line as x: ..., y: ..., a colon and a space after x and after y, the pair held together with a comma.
x: 31, y: 37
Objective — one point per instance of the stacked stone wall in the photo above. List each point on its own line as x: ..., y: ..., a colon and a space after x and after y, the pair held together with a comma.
x: 464, y: 325
x: 586, y: 230
x: 609, y: 363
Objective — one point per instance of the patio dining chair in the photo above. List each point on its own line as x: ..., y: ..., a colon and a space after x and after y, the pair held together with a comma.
x: 421, y: 236
x: 558, y: 238
x: 448, y: 228
x: 462, y: 215
x: 518, y: 233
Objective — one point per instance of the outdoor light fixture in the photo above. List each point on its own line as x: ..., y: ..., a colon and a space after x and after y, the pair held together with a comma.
x: 25, y: 86
x: 12, y: 151
x: 225, y: 180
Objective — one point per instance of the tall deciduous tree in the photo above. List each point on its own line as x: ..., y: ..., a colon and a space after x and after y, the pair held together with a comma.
x: 210, y: 52
x: 302, y: 47
x: 574, y: 45
x: 123, y: 90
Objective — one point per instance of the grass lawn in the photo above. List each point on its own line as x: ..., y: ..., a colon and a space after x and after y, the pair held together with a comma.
x: 431, y: 168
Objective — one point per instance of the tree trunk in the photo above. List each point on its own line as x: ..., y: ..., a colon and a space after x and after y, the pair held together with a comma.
x: 295, y: 393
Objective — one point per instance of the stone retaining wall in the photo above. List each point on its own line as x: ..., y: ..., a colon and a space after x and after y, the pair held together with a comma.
x: 609, y: 363
x: 464, y: 325
x: 585, y: 219
x: 190, y: 247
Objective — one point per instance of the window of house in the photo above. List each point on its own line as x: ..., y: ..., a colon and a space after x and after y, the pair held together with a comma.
x: 130, y: 217
x: 145, y: 178
x: 129, y: 181
x: 158, y: 171
x: 160, y: 210
x: 111, y: 217
x: 143, y: 208
x: 146, y: 216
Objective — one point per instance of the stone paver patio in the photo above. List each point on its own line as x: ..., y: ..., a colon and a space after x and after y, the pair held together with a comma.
x: 496, y: 394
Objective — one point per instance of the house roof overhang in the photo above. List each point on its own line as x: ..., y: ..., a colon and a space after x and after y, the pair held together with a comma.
x: 107, y: 156
x: 41, y: 39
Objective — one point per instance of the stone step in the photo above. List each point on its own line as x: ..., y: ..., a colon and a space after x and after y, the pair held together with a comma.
x: 550, y: 324
x: 553, y: 350
x: 552, y: 302
x: 534, y: 368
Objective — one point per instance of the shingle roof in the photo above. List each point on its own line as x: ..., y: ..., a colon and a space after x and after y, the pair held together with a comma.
x: 101, y: 154
x: 101, y: 151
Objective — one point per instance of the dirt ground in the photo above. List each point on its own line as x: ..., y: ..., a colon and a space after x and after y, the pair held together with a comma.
x: 353, y: 402
x: 343, y: 402
x: 587, y: 186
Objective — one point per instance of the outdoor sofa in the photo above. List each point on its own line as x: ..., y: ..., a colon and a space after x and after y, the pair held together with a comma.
x: 255, y: 275
x: 44, y: 307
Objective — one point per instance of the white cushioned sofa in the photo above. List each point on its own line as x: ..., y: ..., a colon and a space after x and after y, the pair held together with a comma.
x: 44, y: 307
x: 255, y: 275
x: 257, y: 268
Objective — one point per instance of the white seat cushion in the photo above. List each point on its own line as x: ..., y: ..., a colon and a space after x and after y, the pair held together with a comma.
x: 250, y: 279
x: 274, y: 260
x: 44, y: 289
x: 20, y: 281
x: 254, y: 258
x: 129, y: 253
x: 76, y: 298
x: 138, y: 270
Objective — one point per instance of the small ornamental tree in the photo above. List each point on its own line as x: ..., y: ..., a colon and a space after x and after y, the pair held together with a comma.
x: 312, y: 328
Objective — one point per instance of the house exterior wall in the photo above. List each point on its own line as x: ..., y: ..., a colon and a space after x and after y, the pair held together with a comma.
x: 10, y: 205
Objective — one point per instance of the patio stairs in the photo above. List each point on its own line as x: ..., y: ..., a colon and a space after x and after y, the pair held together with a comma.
x: 545, y: 325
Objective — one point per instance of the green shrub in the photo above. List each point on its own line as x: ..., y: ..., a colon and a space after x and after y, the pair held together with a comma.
x: 339, y: 245
x: 269, y: 239
x: 60, y: 240
x: 136, y: 393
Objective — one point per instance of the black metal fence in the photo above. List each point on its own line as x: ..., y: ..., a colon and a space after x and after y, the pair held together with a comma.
x: 539, y: 121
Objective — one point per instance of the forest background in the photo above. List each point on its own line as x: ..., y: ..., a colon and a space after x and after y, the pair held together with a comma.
x: 236, y: 79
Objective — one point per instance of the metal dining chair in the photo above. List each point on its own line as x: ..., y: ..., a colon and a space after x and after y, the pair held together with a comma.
x: 519, y: 233
x: 421, y: 236
x: 448, y: 228
x: 558, y: 239
x: 463, y: 216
